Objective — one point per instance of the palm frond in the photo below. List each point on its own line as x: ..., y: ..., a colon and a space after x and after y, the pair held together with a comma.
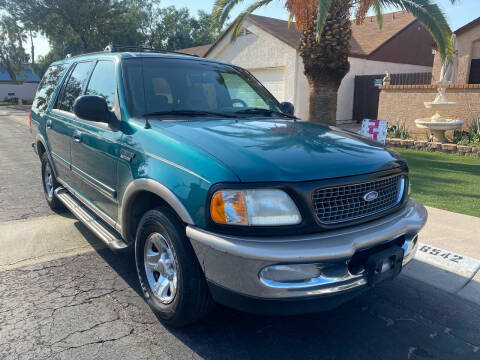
x: 435, y: 11
x: 431, y: 16
x: 377, y: 8
x: 290, y: 19
x: 362, y: 9
x: 221, y: 11
x: 323, y: 8
x: 237, y: 25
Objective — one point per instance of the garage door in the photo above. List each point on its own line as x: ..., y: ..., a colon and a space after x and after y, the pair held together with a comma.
x: 273, y: 80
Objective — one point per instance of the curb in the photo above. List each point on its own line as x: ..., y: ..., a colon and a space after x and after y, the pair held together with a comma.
x: 446, y: 270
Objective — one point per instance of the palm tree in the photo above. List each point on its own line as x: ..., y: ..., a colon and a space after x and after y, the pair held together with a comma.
x: 326, y: 32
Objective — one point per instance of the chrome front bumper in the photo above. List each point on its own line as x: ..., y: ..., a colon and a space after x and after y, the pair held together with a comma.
x: 234, y: 263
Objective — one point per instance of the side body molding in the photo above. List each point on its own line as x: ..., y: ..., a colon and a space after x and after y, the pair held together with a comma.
x: 156, y: 188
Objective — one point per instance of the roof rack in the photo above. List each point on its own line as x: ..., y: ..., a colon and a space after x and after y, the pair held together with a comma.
x: 115, y: 48
x: 68, y: 56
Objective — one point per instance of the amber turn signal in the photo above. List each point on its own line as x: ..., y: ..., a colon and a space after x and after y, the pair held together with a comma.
x: 228, y: 207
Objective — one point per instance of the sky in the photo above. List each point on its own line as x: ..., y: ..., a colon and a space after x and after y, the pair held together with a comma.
x: 458, y: 15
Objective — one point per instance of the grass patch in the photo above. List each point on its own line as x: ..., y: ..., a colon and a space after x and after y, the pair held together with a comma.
x: 445, y: 181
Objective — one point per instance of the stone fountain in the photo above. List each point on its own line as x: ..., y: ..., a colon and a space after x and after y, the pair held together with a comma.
x: 438, y: 124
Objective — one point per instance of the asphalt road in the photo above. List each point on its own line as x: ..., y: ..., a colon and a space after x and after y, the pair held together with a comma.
x: 21, y: 194
x: 87, y: 306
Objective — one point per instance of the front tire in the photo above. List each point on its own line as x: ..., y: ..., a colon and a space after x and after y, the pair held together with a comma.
x: 50, y: 184
x: 170, y: 276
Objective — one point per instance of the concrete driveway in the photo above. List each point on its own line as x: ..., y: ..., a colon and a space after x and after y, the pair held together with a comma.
x: 64, y: 296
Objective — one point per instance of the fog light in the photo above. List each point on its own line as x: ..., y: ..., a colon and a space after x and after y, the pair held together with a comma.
x: 292, y: 273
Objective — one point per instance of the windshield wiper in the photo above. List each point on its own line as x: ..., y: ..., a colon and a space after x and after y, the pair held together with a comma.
x: 187, y: 113
x: 261, y: 111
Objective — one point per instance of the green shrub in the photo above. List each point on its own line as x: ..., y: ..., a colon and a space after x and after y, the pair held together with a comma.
x: 469, y: 137
x: 398, y: 130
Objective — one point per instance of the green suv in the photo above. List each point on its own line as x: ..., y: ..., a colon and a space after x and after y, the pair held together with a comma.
x: 220, y: 191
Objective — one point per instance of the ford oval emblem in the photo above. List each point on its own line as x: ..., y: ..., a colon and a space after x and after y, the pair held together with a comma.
x: 370, y: 196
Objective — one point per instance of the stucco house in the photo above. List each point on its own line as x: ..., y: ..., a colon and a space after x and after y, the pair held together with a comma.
x: 267, y: 47
x: 24, y: 87
x: 468, y: 42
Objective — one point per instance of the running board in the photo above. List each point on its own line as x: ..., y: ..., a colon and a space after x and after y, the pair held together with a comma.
x: 91, y: 221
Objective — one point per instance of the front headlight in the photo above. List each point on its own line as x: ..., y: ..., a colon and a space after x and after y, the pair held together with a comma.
x: 261, y: 207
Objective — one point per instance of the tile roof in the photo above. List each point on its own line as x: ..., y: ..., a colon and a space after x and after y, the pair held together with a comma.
x: 278, y: 28
x: 27, y: 75
x: 467, y: 27
x: 366, y: 38
x: 4, y: 76
x: 196, y: 50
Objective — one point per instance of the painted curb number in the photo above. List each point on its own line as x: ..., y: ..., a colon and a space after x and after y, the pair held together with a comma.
x: 438, y: 252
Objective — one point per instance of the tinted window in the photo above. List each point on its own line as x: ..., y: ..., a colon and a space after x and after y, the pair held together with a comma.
x: 158, y: 85
x: 74, y: 86
x: 238, y: 88
x: 102, y: 82
x: 47, y: 87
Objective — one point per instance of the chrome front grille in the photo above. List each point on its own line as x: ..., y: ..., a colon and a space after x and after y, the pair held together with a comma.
x: 338, y: 204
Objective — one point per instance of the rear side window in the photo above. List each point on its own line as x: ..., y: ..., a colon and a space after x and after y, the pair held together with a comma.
x: 74, y: 86
x: 47, y: 87
x: 102, y: 82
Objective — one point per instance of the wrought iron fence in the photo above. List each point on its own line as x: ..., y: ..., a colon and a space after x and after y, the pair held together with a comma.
x: 421, y: 78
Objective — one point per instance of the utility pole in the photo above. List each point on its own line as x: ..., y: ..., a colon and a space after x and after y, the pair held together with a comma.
x: 32, y: 49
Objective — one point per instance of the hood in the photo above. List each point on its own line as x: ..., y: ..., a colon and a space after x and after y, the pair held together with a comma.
x: 278, y: 150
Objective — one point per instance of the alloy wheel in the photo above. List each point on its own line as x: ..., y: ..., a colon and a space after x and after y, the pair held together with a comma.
x: 48, y: 180
x: 161, y: 268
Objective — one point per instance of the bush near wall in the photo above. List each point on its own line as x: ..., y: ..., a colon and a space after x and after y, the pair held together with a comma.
x: 435, y: 147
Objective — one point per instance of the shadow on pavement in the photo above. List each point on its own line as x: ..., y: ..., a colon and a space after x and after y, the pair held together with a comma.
x: 400, y: 319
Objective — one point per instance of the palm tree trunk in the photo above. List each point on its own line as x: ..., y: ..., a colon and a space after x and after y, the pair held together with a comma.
x: 326, y: 61
x: 10, y: 72
x: 323, y: 101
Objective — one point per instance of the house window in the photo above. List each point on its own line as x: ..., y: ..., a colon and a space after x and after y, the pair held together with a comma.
x: 243, y: 32
x: 474, y: 72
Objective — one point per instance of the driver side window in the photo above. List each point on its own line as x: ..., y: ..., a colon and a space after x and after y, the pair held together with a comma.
x: 102, y: 82
x: 239, y: 89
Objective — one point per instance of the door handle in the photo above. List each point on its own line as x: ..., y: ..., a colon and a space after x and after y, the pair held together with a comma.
x: 77, y: 138
x: 49, y: 124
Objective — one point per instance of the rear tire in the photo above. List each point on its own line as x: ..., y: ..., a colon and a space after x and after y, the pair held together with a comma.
x: 50, y: 183
x: 171, y: 278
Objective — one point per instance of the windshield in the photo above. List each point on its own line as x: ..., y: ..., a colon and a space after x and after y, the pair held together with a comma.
x: 159, y: 86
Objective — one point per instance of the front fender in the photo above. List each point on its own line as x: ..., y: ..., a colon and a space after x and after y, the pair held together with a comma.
x: 156, y: 188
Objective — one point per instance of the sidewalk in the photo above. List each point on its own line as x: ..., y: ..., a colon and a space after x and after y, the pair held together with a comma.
x: 448, y: 255
x: 455, y: 232
x: 20, y: 107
